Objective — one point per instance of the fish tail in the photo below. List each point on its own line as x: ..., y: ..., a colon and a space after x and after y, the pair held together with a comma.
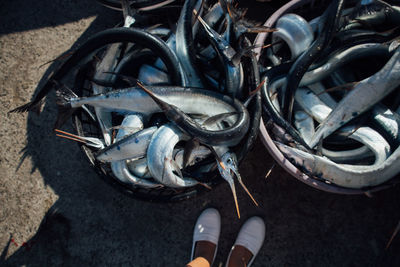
x: 63, y: 101
x: 35, y: 105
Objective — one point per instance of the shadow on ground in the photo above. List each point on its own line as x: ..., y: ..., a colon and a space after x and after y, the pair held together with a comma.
x: 93, y: 224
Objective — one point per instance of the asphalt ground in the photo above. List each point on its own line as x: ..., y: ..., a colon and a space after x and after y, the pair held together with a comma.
x: 54, y: 209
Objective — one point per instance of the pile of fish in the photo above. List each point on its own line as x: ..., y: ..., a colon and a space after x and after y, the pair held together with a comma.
x: 176, y: 93
x: 163, y: 103
x: 330, y: 89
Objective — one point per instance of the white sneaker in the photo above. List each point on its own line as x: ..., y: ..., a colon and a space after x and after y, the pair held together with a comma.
x: 251, y: 236
x: 207, y: 228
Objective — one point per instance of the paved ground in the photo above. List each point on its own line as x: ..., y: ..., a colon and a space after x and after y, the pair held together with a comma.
x: 46, y: 181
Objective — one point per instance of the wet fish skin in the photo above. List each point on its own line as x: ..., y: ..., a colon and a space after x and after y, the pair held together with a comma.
x: 121, y: 169
x: 196, y: 101
x: 233, y: 71
x: 229, y: 136
x: 131, y: 146
x: 365, y: 135
x: 160, y: 153
x: 133, y: 99
x: 348, y: 176
x: 342, y: 58
x: 363, y: 96
x: 107, y: 64
x: 184, y: 44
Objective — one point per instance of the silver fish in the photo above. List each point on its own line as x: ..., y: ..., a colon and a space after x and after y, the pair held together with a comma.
x: 196, y: 101
x: 107, y: 64
x: 160, y: 157
x: 342, y: 58
x: 365, y: 135
x: 196, y: 154
x: 304, y: 124
x: 183, y: 43
x: 121, y: 171
x: 344, y: 175
x: 233, y: 70
x: 120, y: 168
x: 388, y: 120
x: 130, y: 147
x: 228, y: 169
x: 364, y: 95
x: 153, y: 76
x: 138, y: 167
x: 295, y: 32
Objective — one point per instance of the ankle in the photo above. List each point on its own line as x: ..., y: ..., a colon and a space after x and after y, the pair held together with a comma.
x: 240, y: 257
x: 206, y: 250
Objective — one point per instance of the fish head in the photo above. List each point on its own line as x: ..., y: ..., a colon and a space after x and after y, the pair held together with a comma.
x: 228, y: 166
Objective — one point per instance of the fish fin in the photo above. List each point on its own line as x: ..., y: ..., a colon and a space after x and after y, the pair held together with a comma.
x: 189, y: 147
x: 176, y: 168
x: 64, y: 95
x: 35, y: 106
x: 243, y: 51
x: 146, y: 172
x: 59, y: 58
x: 128, y: 79
x: 164, y: 106
x: 217, y: 118
x: 197, y: 116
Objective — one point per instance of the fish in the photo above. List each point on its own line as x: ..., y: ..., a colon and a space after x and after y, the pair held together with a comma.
x: 295, y: 31
x: 228, y: 136
x: 233, y: 69
x: 365, y: 135
x: 197, y: 154
x: 227, y: 166
x: 160, y: 157
x: 304, y: 124
x: 107, y: 64
x: 362, y: 97
x: 121, y: 169
x: 388, y: 121
x: 106, y: 37
x: 138, y: 167
x: 129, y: 147
x: 137, y: 100
x: 331, y: 20
x: 342, y: 58
x: 185, y: 45
x: 349, y: 176
x: 270, y: 108
x: 89, y: 141
x: 122, y: 172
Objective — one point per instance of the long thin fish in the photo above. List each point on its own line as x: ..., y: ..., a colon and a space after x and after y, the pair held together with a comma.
x: 185, y: 45
x: 222, y: 137
x: 131, y: 146
x: 160, y: 156
x: 365, y: 135
x: 364, y: 95
x: 341, y: 174
x: 233, y: 72
x: 196, y: 101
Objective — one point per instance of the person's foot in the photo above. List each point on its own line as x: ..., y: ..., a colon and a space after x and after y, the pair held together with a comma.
x: 248, y: 243
x: 206, y: 235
